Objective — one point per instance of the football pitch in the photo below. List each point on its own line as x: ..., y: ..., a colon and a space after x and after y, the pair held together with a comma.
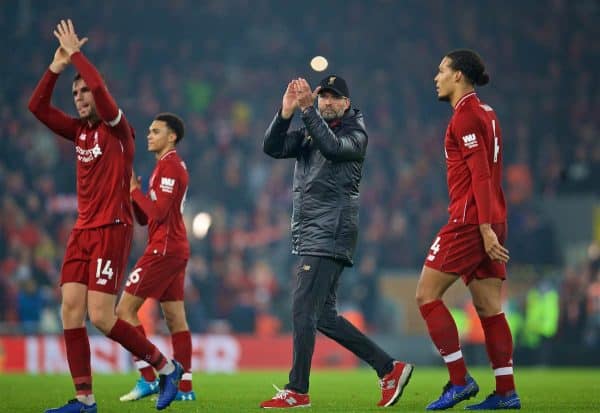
x: 540, y: 389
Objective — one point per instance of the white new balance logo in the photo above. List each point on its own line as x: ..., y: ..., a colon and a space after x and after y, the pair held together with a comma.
x: 390, y: 384
x: 470, y: 140
x: 291, y: 401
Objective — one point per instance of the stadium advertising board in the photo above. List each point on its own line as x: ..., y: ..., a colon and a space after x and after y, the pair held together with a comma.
x: 210, y: 353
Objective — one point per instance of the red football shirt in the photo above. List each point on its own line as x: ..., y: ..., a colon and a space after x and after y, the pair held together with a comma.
x: 162, y: 207
x: 104, y: 151
x: 473, y: 147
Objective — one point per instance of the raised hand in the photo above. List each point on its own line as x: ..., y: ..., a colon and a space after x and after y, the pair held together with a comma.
x: 305, y: 97
x: 289, y: 103
x: 61, y: 60
x: 68, y: 39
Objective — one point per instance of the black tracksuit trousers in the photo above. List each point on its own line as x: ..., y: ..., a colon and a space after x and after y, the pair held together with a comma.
x: 314, y: 308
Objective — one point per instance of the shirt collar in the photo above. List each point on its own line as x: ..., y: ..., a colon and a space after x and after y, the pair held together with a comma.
x: 463, y: 99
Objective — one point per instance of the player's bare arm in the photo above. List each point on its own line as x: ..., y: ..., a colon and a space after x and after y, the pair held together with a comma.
x: 68, y: 39
x: 491, y: 244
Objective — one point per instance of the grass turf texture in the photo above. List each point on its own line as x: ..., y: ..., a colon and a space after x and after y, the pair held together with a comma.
x: 540, y: 389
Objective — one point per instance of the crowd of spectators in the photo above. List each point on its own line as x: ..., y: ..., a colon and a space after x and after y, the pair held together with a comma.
x: 223, y: 66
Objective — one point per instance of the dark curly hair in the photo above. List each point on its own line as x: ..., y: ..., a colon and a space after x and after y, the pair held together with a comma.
x: 470, y: 64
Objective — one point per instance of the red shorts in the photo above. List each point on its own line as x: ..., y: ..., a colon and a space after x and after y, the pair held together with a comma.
x: 458, y: 249
x: 158, y: 276
x: 97, y: 257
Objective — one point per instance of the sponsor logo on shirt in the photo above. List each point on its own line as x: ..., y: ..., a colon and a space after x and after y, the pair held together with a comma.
x: 167, y: 184
x: 88, y: 155
x: 470, y: 140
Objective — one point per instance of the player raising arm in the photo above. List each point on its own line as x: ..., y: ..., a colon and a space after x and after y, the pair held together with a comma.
x: 100, y: 241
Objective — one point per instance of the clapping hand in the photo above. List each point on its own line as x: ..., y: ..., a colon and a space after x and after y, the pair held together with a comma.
x: 304, y: 96
x: 290, y: 101
x: 68, y: 39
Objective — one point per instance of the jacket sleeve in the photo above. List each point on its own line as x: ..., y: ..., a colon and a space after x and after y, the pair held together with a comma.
x: 41, y: 107
x: 351, y: 146
x: 278, y: 143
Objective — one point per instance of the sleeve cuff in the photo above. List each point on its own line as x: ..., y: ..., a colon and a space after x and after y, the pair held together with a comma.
x: 281, y: 118
x: 50, y: 73
x: 308, y: 110
x: 116, y: 120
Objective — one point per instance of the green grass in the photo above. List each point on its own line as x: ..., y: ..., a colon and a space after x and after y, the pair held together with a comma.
x: 541, y: 390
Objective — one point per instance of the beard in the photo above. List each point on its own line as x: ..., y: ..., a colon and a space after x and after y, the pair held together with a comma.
x: 91, y: 115
x: 331, y: 114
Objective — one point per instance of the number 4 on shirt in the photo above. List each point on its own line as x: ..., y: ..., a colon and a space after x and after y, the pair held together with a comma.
x: 435, y: 248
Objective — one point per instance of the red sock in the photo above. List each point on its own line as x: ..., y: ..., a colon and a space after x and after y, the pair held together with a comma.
x: 146, y: 370
x: 138, y: 345
x: 444, y: 334
x: 499, y: 346
x: 77, y: 345
x: 182, y: 352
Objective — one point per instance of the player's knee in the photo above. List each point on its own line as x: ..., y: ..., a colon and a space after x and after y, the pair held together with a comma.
x: 486, y: 308
x: 125, y: 313
x: 72, y: 312
x: 175, y: 323
x: 103, y: 321
x: 121, y: 311
x: 69, y: 307
x: 423, y: 297
x: 177, y: 326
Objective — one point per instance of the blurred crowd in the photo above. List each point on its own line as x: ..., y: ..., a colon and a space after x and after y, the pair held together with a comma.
x: 223, y: 66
